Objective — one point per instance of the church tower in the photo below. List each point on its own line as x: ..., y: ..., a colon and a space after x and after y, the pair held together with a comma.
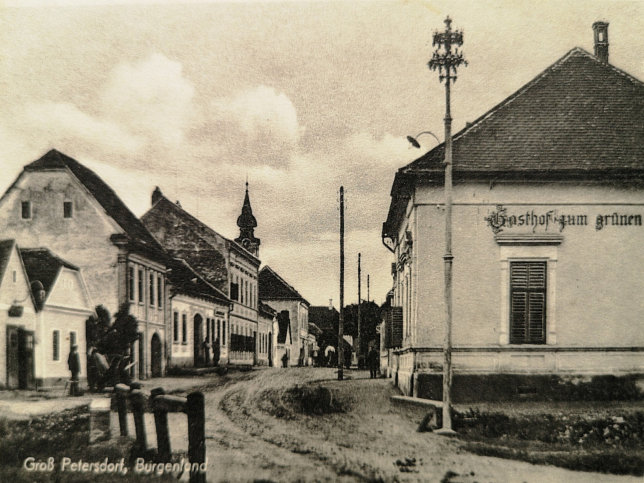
x: 247, y: 223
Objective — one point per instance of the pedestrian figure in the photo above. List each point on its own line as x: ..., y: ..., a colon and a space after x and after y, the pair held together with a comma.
x: 285, y: 359
x: 73, y: 362
x: 216, y: 353
x: 206, y: 351
x: 92, y: 370
x: 372, y: 361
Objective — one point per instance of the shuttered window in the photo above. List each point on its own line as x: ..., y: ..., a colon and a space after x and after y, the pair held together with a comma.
x: 527, y: 302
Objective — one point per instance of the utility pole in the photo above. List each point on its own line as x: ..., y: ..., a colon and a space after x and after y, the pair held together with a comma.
x: 447, y: 62
x: 341, y: 322
x: 368, y: 296
x: 359, y: 318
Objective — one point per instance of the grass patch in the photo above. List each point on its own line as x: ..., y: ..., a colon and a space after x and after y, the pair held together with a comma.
x: 307, y: 399
x: 60, y: 435
x: 609, y: 444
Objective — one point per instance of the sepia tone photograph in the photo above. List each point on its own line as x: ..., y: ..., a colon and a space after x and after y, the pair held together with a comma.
x: 321, y: 240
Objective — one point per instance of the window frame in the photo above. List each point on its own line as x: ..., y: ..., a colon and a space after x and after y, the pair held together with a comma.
x: 55, y: 339
x: 141, y: 288
x: 537, y: 247
x: 527, y: 290
x: 68, y: 214
x: 29, y: 210
x: 175, y: 327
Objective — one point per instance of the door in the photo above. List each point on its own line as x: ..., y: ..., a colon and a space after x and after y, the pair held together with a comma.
x: 155, y: 354
x: 12, y: 357
x: 141, y: 342
x: 25, y: 359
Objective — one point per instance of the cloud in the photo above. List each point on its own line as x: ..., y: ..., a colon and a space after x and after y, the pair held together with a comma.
x: 152, y: 98
x: 256, y: 126
x: 56, y: 122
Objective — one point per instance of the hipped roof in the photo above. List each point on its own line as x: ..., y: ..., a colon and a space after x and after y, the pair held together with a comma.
x: 274, y: 287
x: 579, y: 119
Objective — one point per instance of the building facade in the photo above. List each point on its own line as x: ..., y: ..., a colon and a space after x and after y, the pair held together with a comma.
x: 199, y: 318
x: 44, y: 306
x: 224, y: 264
x: 275, y: 291
x: 58, y: 203
x: 548, y: 201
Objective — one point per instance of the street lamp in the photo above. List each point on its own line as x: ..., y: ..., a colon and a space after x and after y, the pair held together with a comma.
x: 414, y: 140
x: 446, y: 62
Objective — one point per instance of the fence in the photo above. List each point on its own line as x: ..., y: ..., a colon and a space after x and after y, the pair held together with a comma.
x: 161, y: 405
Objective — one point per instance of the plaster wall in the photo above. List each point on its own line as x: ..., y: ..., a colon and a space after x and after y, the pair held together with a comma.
x: 594, y: 270
x: 83, y: 239
x: 294, y: 313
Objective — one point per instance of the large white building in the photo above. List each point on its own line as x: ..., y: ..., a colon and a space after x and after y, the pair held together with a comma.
x: 58, y: 203
x: 548, y: 201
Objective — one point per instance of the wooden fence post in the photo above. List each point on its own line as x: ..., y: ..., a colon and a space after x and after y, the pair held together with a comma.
x: 121, y: 391
x: 196, y: 436
x: 161, y: 424
x: 137, y: 398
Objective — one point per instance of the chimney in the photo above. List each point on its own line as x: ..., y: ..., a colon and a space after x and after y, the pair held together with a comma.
x: 601, y: 41
x: 330, y: 304
x: 156, y: 195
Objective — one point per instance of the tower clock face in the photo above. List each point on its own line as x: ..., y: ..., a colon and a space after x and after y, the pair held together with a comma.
x: 246, y: 243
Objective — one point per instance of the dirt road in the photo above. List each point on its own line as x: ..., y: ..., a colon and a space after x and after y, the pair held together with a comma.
x: 254, y: 435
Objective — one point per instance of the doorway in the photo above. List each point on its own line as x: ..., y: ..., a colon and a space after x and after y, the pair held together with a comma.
x: 20, y: 358
x: 155, y: 355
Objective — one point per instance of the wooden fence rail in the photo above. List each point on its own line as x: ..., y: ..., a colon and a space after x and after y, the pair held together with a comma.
x: 161, y: 405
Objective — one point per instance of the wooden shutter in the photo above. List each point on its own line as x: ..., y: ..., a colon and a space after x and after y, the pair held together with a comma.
x: 527, y: 302
x: 387, y: 327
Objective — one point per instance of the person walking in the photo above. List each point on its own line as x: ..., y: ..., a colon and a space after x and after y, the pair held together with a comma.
x: 216, y: 353
x: 372, y: 361
x: 73, y: 362
x: 206, y: 351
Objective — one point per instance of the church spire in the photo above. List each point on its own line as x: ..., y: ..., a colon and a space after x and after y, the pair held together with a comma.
x: 247, y: 224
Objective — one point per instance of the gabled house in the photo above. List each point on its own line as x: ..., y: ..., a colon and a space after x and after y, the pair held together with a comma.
x: 58, y: 203
x: 43, y: 308
x: 223, y: 263
x: 275, y: 291
x: 548, y: 201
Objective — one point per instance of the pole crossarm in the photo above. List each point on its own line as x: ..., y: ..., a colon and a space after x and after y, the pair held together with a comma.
x: 444, y: 59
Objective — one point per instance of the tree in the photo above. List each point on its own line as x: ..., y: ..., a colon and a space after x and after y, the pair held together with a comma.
x: 96, y: 328
x: 111, y: 338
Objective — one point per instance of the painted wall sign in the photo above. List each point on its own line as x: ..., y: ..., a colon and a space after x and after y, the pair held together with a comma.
x: 500, y: 219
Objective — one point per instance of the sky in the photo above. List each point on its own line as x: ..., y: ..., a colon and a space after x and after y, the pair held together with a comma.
x: 299, y: 98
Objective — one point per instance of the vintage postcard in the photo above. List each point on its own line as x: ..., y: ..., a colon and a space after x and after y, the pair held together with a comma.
x: 376, y: 240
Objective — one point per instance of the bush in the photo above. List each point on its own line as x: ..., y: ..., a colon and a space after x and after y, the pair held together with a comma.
x: 608, y: 444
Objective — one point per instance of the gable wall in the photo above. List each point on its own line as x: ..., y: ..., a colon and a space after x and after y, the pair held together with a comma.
x: 82, y: 240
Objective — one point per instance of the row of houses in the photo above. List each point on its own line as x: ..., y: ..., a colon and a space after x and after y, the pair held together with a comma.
x: 548, y: 202
x: 70, y: 244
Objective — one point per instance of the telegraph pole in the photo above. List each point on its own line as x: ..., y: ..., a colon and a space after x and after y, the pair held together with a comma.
x: 359, y: 318
x: 368, y: 296
x: 447, y: 62
x: 341, y: 323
